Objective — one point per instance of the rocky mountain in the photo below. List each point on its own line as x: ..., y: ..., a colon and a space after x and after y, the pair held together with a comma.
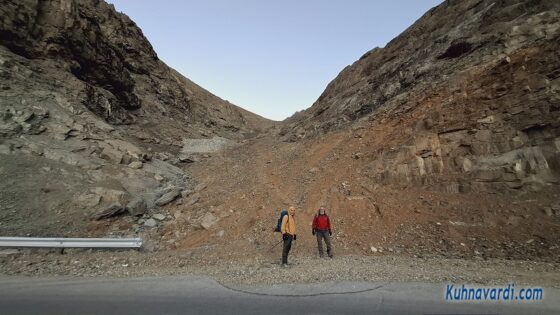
x: 444, y: 142
x: 91, y: 119
x: 467, y: 97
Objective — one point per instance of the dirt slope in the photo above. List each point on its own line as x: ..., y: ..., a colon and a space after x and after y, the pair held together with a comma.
x: 443, y: 142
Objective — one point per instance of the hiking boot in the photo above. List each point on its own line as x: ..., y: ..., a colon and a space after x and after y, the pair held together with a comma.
x: 284, y: 265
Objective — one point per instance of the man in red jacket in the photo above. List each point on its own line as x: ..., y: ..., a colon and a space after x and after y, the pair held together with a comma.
x: 322, y: 228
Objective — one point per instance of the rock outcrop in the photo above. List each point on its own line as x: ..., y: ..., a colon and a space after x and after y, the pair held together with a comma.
x: 467, y: 99
x: 91, y: 121
x: 120, y: 76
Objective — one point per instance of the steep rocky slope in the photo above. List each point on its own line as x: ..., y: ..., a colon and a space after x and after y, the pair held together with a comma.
x: 91, y: 121
x: 467, y: 97
x: 445, y: 142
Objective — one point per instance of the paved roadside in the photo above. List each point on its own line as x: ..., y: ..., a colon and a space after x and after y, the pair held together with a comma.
x: 202, y: 295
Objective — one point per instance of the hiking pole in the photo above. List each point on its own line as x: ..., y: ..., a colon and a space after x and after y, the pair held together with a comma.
x: 273, y: 246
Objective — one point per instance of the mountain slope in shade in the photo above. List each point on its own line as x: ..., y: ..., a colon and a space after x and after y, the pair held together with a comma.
x: 108, y: 53
x: 92, y: 123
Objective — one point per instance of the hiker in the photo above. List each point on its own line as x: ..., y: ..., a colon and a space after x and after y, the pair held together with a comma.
x: 288, y: 229
x: 322, y: 228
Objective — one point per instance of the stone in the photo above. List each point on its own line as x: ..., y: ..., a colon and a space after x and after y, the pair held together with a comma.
x: 109, y: 211
x: 112, y: 195
x: 514, y: 184
x: 111, y: 154
x: 150, y: 223
x: 487, y: 120
x: 5, y: 149
x: 187, y: 158
x: 509, y: 177
x: 426, y: 154
x: 193, y: 200
x: 137, y: 206
x: 467, y: 165
x: 483, y: 135
x: 164, y: 169
x: 185, y: 193
x: 159, y: 216
x: 158, y: 177
x: 208, y: 220
x: 127, y: 159
x: 200, y: 187
x: 135, y: 165
x: 220, y: 233
x: 162, y: 156
x: 373, y: 249
x: 168, y: 197
x: 548, y: 211
x: 488, y: 175
x: 87, y: 200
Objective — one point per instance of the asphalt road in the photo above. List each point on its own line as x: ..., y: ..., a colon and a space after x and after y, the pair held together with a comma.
x: 198, y: 295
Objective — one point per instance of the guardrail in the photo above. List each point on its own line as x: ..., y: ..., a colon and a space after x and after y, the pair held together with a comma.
x: 62, y: 242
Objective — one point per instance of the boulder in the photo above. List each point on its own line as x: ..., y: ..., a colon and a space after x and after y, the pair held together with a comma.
x: 137, y: 206
x: 187, y: 158
x: 208, y: 220
x: 109, y: 211
x: 111, y: 196
x: 135, y: 165
x: 87, y: 200
x: 112, y: 155
x: 159, y: 216
x: 150, y: 223
x: 168, y: 197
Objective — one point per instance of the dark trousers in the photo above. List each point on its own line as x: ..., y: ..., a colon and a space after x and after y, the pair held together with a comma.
x: 287, y: 246
x: 324, y: 235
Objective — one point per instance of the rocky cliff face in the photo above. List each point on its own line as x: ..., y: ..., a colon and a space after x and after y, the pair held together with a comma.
x: 122, y: 79
x: 91, y: 121
x: 467, y: 98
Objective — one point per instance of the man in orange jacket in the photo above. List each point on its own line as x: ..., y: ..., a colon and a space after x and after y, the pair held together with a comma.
x: 322, y: 228
x: 288, y: 229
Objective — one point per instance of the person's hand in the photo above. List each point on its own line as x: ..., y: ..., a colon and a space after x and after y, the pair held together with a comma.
x: 295, y: 236
x: 284, y: 236
x: 330, y: 232
x: 313, y: 232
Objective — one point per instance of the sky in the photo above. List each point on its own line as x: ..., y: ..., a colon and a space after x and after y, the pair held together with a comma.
x: 272, y: 58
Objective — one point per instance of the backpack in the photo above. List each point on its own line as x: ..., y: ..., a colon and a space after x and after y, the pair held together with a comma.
x: 279, y: 224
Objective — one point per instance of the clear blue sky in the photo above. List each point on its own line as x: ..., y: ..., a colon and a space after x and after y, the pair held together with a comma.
x: 270, y: 57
